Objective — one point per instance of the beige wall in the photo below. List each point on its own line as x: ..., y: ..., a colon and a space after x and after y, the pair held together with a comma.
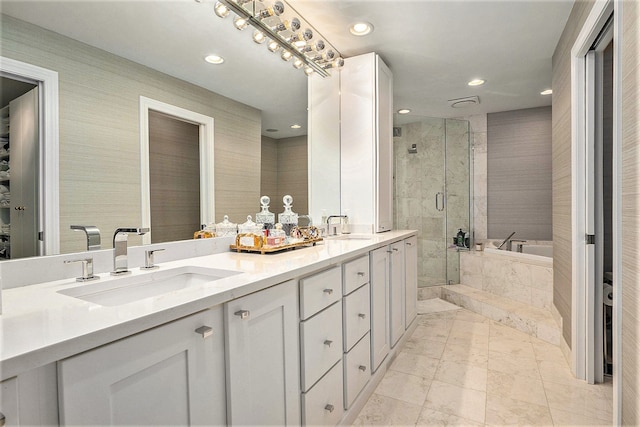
x: 99, y: 132
x: 285, y: 171
x: 561, y: 164
x: 630, y: 369
x: 631, y: 213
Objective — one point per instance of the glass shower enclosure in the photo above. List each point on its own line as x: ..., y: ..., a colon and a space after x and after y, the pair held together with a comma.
x: 432, y: 191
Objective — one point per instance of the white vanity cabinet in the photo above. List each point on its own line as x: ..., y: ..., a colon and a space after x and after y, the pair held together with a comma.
x: 173, y: 374
x: 397, y: 303
x: 263, y: 369
x: 30, y: 398
x: 411, y: 279
x: 379, y: 306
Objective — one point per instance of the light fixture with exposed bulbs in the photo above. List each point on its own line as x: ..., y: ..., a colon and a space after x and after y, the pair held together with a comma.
x: 284, y: 30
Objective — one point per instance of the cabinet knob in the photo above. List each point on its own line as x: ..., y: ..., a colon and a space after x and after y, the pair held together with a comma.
x: 361, y: 273
x: 362, y: 315
x: 409, y: 243
x: 362, y: 368
x: 243, y: 314
x: 328, y: 343
x: 328, y: 291
x: 205, y: 331
x: 389, y: 252
x: 329, y: 407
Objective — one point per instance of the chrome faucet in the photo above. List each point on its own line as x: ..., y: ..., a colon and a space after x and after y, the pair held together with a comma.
x: 335, y: 229
x: 93, y: 235
x: 507, y: 241
x: 120, y: 264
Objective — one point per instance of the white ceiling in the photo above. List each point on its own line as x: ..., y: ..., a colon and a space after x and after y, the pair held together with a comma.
x: 434, y: 47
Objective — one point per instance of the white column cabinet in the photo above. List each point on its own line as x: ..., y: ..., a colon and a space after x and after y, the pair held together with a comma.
x: 366, y: 151
x: 379, y: 306
x: 397, y: 301
x: 263, y: 365
x: 411, y: 279
x: 173, y: 374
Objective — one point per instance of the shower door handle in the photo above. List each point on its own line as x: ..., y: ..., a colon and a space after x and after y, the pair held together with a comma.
x: 440, y: 201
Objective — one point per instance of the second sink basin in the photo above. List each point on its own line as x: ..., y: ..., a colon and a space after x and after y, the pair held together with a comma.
x: 127, y: 289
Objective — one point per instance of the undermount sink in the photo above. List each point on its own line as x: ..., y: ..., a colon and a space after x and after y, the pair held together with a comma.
x: 351, y: 237
x: 123, y: 290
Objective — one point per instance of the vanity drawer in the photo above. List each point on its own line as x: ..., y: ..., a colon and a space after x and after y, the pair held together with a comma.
x: 319, y: 291
x: 323, y: 404
x: 321, y: 344
x: 356, y: 314
x: 355, y: 274
x: 357, y: 370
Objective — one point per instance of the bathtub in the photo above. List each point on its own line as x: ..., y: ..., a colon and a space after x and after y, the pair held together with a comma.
x: 525, y: 276
x: 531, y: 249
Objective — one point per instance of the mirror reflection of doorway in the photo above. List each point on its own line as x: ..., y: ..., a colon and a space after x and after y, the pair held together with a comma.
x: 19, y: 165
x: 174, y: 174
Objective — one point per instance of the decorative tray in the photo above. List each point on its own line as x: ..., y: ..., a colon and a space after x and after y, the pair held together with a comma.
x: 256, y: 244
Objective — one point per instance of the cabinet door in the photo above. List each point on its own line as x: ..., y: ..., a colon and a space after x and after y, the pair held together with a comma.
x: 384, y: 153
x: 263, y: 368
x: 169, y: 375
x: 411, y: 279
x: 379, y: 306
x: 30, y: 399
x: 396, y: 297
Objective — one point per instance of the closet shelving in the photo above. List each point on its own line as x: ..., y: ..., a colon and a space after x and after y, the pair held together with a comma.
x: 5, y: 185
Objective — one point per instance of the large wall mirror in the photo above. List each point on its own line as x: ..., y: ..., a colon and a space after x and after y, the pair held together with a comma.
x: 127, y: 52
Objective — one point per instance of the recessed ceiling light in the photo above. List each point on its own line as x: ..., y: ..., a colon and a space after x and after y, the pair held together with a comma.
x: 546, y: 92
x: 214, y: 59
x: 361, y: 28
x: 404, y: 111
x: 296, y: 126
x: 476, y: 82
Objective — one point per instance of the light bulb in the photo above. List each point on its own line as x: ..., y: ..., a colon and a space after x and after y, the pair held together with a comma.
x: 311, y: 48
x: 336, y: 63
x: 297, y: 64
x: 277, y: 9
x: 273, y: 46
x: 286, y: 55
x: 293, y: 25
x: 308, y: 70
x: 221, y: 10
x: 258, y: 37
x: 240, y: 23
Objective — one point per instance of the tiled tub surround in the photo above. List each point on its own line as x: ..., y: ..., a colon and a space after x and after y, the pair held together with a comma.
x: 508, y: 287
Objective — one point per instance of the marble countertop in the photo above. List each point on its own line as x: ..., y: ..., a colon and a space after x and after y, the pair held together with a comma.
x: 38, y: 325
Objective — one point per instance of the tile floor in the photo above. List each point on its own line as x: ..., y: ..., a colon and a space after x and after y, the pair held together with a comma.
x: 460, y: 368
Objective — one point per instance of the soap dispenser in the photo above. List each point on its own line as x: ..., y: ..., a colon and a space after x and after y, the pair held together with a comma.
x: 460, y: 238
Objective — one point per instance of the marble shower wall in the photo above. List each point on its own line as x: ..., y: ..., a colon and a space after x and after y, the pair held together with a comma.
x: 441, y: 164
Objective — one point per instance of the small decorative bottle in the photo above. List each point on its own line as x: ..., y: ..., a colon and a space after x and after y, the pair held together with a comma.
x: 288, y: 218
x: 226, y: 228
x: 265, y: 217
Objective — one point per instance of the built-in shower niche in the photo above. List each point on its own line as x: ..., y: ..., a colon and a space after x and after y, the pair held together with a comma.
x: 432, y: 170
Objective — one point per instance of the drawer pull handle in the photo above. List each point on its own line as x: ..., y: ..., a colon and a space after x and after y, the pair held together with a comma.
x: 243, y: 314
x: 389, y: 252
x: 361, y: 273
x: 409, y: 244
x: 328, y: 343
x: 205, y: 331
x: 329, y: 408
x: 328, y: 291
x: 362, y: 315
x: 362, y: 368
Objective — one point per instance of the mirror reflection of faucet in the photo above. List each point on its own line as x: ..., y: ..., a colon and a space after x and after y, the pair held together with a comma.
x: 93, y: 235
x: 120, y: 246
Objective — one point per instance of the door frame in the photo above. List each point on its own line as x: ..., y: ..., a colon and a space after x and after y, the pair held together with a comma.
x: 583, y: 298
x: 49, y: 157
x: 205, y: 124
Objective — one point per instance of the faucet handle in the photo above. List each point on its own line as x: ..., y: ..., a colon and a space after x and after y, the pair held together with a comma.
x: 87, y: 269
x: 148, y: 259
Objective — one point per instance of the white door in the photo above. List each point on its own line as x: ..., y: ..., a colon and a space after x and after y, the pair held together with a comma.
x: 379, y: 306
x: 170, y: 375
x: 263, y: 366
